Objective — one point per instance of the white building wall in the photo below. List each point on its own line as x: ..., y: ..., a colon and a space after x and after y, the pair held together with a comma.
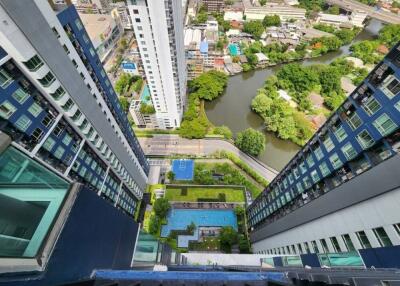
x: 167, y: 84
x: 381, y: 211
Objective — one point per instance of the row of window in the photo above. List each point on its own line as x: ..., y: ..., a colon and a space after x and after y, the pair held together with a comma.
x: 347, y: 243
x: 83, y: 124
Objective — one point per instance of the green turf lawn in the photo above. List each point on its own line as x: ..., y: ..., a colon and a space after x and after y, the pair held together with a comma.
x: 232, y: 195
x: 209, y: 244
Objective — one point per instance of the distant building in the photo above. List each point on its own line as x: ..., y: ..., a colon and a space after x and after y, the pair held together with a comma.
x: 233, y: 15
x: 120, y: 11
x: 213, y: 5
x: 355, y: 19
x: 285, y: 12
x: 104, y: 32
x: 262, y: 59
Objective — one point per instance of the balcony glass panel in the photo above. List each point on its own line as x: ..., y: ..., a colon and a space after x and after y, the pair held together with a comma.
x: 30, y: 197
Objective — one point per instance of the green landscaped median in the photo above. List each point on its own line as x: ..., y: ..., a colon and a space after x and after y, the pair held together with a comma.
x: 204, y: 194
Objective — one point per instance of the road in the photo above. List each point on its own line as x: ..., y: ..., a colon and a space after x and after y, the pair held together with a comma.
x: 381, y: 15
x: 162, y: 145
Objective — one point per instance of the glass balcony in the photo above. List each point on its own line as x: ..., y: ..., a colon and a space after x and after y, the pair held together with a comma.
x: 30, y: 198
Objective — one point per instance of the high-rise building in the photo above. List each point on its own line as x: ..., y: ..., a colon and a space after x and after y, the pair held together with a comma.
x: 342, y: 190
x: 69, y: 160
x: 158, y: 27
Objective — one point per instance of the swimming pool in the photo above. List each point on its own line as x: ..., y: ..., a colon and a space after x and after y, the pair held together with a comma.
x: 145, y: 97
x: 179, y: 219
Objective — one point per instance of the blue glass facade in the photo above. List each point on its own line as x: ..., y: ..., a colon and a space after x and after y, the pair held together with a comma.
x: 70, y: 20
x: 363, y: 132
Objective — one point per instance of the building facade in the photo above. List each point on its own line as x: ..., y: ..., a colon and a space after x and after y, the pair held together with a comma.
x: 341, y: 191
x: 214, y: 5
x: 158, y: 27
x: 59, y: 107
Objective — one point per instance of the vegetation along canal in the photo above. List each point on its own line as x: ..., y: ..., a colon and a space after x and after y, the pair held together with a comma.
x: 233, y: 107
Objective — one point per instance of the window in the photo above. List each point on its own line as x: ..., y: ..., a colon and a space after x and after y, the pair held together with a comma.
x: 34, y: 63
x: 354, y: 121
x: 315, y: 176
x: 49, y: 144
x: 382, y: 236
x: 59, y: 152
x: 310, y: 160
x: 137, y: 20
x: 20, y: 95
x: 58, y: 93
x: 7, y: 109
x: 300, y: 188
x: 363, y: 239
x: 68, y: 105
x: 306, y: 181
x: 55, y: 32
x: 365, y: 139
x: 66, y: 49
x: 397, y: 105
x: 303, y: 168
x: 397, y: 228
x: 74, y: 63
x: 392, y: 88
x: 67, y: 139
x: 348, y: 151
x: 300, y: 248
x: 58, y: 129
x: 328, y: 143
x: 371, y: 106
x: 135, y: 11
x: 47, y: 80
x: 78, y: 24
x: 324, y: 245
x: 318, y: 153
x: 5, y: 78
x: 384, y: 124
x: 92, y: 52
x: 23, y: 123
x: 35, y: 109
x: 77, y: 115
x: 37, y: 134
x: 315, y: 246
x: 335, y: 244
x: 85, y: 38
x: 335, y: 161
x: 347, y: 241
x: 324, y: 169
x: 47, y: 120
x: 340, y: 133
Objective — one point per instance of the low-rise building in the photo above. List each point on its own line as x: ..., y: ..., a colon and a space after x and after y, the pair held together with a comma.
x: 104, y: 32
x: 285, y: 12
x: 233, y: 15
x: 213, y: 5
x: 120, y: 12
x: 262, y: 59
x: 355, y: 19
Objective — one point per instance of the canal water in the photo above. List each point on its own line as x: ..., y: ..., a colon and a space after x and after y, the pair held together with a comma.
x: 233, y: 107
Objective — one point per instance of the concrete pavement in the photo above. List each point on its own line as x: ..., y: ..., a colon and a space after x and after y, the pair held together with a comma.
x: 163, y: 145
x: 372, y: 12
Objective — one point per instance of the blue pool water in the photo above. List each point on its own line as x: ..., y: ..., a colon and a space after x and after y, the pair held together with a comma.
x: 183, y: 169
x: 179, y: 219
x: 233, y: 50
x: 145, y: 94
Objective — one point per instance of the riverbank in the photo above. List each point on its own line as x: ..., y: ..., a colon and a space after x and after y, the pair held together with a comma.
x: 233, y: 108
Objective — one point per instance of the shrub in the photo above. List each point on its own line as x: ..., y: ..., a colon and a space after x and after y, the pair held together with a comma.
x: 250, y: 141
x: 161, y: 207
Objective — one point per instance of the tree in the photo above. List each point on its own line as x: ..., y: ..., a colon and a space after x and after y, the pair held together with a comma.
x: 346, y: 35
x: 123, y: 83
x: 171, y: 175
x: 262, y: 2
x: 250, y: 141
x: 223, y: 130
x: 154, y: 225
x: 124, y: 103
x: 193, y: 129
x: 209, y: 85
x: 147, y: 108
x: 272, y: 20
x: 239, y: 211
x: 191, y: 228
x: 255, y: 28
x: 228, y: 237
x: 390, y: 34
x: 335, y: 10
x: 244, y: 244
x: 161, y: 207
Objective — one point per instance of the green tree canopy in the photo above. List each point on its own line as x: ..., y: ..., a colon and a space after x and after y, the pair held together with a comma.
x: 390, y: 34
x: 273, y: 20
x: 228, y: 237
x: 209, y: 85
x: 255, y: 28
x: 250, y: 141
x: 223, y: 130
x: 161, y: 207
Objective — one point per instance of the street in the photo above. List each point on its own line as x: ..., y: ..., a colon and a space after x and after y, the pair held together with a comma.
x: 162, y: 145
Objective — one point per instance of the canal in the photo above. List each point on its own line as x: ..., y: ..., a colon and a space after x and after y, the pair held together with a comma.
x: 233, y: 107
